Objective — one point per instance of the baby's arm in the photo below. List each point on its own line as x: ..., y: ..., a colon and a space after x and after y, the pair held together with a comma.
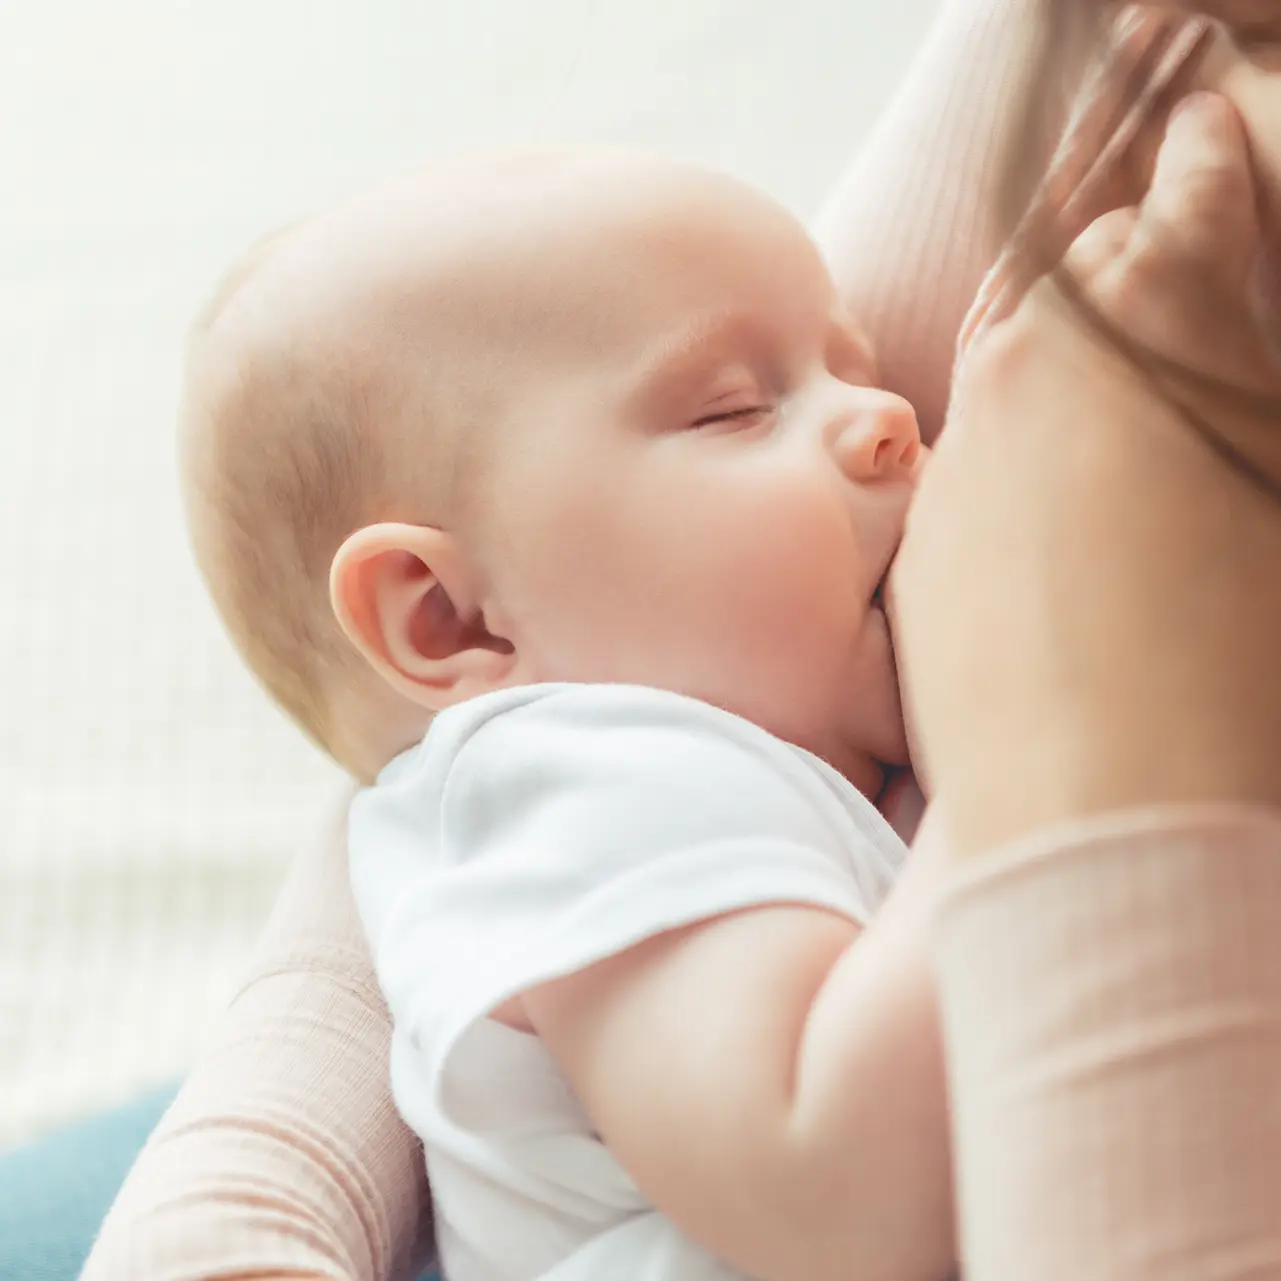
x: 777, y: 1091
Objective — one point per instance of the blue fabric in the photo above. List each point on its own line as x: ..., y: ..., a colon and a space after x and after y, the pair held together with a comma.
x: 54, y: 1193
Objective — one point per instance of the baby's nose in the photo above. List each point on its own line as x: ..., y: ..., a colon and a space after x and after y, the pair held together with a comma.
x: 879, y: 440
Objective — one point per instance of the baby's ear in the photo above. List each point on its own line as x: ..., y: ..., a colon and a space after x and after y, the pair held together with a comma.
x: 404, y: 595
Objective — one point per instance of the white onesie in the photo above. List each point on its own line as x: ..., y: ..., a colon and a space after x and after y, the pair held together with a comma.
x: 532, y: 833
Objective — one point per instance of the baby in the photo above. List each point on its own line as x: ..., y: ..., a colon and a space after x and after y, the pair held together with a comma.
x: 553, y: 494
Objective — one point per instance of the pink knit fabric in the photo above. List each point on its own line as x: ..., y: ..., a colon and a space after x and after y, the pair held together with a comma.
x: 1112, y: 1007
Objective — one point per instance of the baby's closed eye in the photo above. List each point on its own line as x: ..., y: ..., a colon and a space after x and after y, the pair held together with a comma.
x: 743, y: 415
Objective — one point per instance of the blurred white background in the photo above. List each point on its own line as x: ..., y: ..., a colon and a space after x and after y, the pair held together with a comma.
x: 149, y: 796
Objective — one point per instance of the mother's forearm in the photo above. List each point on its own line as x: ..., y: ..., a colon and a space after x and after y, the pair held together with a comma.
x: 1112, y: 1007
x: 283, y: 1153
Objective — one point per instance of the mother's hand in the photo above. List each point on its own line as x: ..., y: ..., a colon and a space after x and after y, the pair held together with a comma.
x: 1088, y: 597
x: 1246, y: 20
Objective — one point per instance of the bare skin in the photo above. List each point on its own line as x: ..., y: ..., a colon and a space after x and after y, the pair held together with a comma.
x: 1181, y: 630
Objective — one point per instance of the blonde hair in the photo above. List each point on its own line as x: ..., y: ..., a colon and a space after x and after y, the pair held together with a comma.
x: 278, y: 470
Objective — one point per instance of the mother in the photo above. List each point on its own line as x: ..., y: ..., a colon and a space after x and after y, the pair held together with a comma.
x: 283, y: 1157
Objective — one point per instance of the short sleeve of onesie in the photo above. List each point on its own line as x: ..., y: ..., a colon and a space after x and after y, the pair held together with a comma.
x: 534, y: 832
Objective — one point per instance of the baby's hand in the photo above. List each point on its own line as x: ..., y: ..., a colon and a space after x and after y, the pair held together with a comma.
x: 1180, y: 278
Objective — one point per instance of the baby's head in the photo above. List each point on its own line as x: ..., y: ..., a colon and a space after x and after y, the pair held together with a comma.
x: 550, y: 416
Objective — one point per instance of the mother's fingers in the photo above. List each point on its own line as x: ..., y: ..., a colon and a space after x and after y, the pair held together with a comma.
x: 1201, y: 206
x: 1172, y: 282
x: 1172, y: 274
x: 1246, y: 19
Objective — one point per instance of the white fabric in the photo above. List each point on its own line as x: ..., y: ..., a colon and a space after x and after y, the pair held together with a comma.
x: 532, y: 833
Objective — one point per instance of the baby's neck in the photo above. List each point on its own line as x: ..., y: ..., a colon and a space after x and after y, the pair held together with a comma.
x: 381, y: 724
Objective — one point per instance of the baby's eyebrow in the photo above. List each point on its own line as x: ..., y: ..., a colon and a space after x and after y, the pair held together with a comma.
x: 679, y: 353
x: 703, y: 329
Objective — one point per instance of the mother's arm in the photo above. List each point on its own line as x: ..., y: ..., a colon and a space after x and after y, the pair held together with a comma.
x: 915, y: 222
x: 283, y: 1154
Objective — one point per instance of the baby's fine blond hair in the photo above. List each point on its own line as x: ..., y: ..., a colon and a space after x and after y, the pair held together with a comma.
x: 278, y: 468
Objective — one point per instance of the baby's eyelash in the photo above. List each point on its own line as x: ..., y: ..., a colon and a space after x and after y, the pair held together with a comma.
x: 748, y: 411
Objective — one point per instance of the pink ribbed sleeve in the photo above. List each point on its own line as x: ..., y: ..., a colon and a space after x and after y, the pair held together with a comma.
x: 1111, y: 999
